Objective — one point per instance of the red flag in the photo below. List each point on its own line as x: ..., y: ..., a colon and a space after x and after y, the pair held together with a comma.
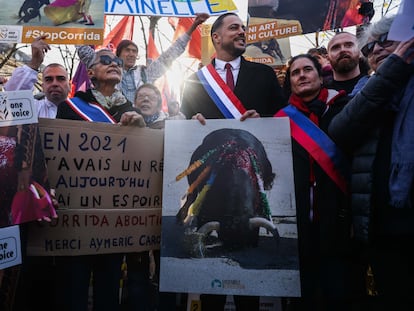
x: 123, y: 30
x: 194, y: 47
x: 152, y: 51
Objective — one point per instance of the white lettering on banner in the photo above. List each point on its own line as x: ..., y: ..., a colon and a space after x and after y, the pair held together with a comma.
x: 63, y: 35
x: 168, y: 7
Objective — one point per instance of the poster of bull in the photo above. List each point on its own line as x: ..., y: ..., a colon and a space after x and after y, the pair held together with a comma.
x: 229, y: 216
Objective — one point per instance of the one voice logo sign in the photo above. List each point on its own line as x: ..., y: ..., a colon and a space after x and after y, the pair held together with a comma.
x: 17, y: 107
x: 10, y: 252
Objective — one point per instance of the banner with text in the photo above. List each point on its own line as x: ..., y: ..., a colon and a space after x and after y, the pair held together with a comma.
x: 108, y: 182
x: 178, y: 8
x: 292, y: 16
x: 63, y: 21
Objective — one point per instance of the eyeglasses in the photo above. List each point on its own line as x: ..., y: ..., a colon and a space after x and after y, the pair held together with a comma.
x: 107, y: 60
x: 382, y: 41
x: 143, y: 96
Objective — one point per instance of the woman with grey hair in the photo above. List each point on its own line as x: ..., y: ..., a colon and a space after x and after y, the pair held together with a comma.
x: 377, y: 127
x: 110, y: 105
x: 101, y: 103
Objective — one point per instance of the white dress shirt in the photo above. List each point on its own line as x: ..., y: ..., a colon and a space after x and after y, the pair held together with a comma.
x: 24, y: 78
x: 235, y: 68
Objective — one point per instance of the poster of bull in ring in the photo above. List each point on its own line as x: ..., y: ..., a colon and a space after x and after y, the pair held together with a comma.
x: 229, y: 216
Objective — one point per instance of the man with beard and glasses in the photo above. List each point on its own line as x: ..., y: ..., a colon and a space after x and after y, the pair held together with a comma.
x: 255, y: 85
x: 347, y: 65
x: 244, y: 90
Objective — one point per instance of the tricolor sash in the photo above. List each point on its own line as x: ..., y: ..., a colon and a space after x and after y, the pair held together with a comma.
x: 224, y: 98
x: 318, y: 145
x: 90, y: 111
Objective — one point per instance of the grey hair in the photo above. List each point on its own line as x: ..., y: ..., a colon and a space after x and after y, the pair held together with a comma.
x: 96, y: 55
x: 88, y: 55
x: 375, y: 30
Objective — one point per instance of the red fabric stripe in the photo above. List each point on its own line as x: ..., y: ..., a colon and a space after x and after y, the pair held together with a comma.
x: 237, y: 103
x: 321, y: 157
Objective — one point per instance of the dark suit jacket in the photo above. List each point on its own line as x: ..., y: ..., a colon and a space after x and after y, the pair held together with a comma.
x: 256, y: 87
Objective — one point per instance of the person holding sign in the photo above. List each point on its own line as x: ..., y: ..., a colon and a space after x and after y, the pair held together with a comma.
x: 376, y: 127
x: 231, y: 87
x: 102, y: 103
x: 321, y: 173
x: 55, y: 80
x: 254, y: 86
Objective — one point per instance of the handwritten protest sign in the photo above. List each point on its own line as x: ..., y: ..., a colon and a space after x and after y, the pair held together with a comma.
x: 108, y: 182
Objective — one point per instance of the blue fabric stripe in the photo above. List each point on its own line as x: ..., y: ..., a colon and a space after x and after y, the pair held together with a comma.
x: 92, y: 112
x: 321, y: 139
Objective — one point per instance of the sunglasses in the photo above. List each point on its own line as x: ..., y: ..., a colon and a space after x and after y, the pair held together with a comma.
x: 107, y: 60
x: 382, y: 41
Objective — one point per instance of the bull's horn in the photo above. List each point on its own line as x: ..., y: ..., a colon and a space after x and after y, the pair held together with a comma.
x: 257, y: 222
x: 209, y: 227
x: 194, y: 240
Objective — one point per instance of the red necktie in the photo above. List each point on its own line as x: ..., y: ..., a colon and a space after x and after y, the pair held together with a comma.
x: 229, y: 76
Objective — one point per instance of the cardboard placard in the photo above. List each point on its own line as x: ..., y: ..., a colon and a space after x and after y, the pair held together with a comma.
x: 108, y: 182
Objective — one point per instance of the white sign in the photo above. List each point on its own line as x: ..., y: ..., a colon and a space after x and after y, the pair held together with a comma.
x: 177, y: 8
x: 10, y: 251
x: 196, y: 255
x: 10, y: 34
x: 17, y: 107
x: 402, y: 28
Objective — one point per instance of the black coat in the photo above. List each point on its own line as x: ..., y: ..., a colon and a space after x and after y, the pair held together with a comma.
x: 256, y: 87
x: 330, y: 234
x: 364, y: 129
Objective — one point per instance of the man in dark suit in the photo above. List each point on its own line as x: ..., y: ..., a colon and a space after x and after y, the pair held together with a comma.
x: 208, y: 94
x: 256, y: 84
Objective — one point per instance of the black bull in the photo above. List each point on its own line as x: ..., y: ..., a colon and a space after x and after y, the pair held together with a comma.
x: 227, y: 177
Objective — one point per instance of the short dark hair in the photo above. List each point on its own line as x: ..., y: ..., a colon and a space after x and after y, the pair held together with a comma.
x: 308, y: 56
x: 287, y: 85
x: 219, y: 22
x: 53, y: 65
x: 123, y: 44
x: 319, y: 51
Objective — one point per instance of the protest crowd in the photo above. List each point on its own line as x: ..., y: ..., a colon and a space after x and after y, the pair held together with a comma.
x: 353, y: 166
